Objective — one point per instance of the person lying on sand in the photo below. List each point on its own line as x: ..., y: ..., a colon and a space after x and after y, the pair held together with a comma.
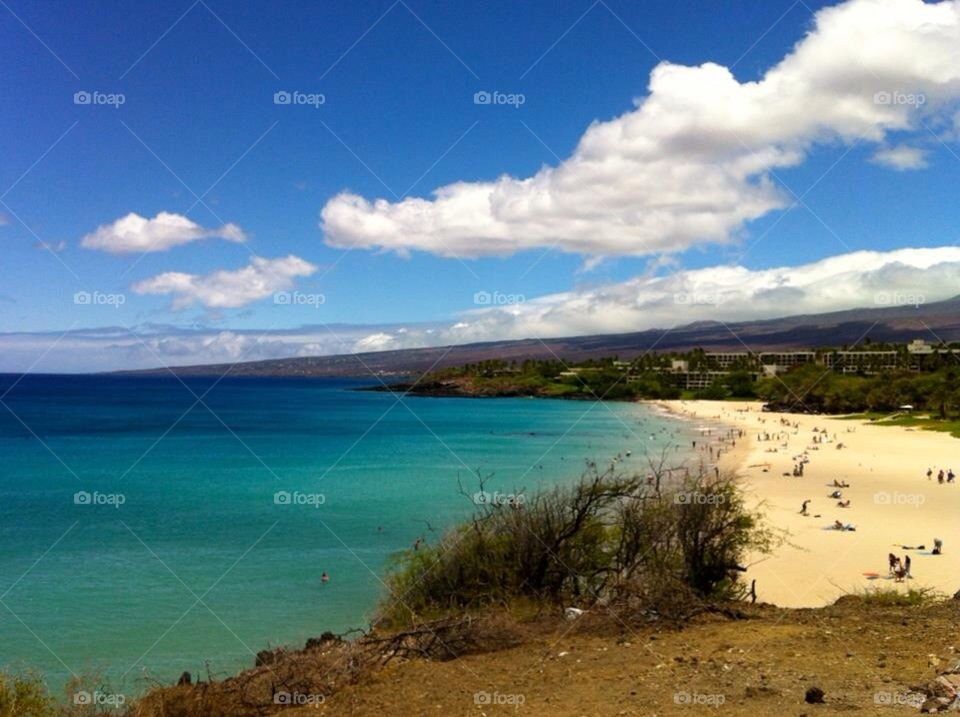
x: 843, y: 503
x: 837, y: 525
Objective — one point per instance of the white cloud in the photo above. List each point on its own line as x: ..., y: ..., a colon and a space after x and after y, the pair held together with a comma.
x: 55, y: 247
x: 380, y: 341
x: 726, y: 293
x: 229, y: 289
x: 692, y: 163
x: 901, y: 157
x: 863, y: 279
x: 134, y: 233
x: 153, y: 346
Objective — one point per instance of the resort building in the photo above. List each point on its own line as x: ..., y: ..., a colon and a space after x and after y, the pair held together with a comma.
x: 865, y: 362
x: 919, y: 347
x: 727, y: 360
x: 787, y: 359
x: 696, y: 380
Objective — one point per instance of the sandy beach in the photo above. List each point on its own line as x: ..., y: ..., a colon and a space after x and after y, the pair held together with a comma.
x: 892, y: 502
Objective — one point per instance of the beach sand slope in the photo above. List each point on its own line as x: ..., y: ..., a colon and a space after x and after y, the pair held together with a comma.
x: 892, y: 502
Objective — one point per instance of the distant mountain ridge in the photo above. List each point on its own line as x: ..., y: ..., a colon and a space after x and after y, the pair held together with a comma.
x: 932, y: 322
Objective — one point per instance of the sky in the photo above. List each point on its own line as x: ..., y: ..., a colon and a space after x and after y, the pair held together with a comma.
x: 197, y: 182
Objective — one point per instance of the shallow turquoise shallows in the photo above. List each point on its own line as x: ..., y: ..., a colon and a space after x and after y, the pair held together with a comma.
x: 149, y: 527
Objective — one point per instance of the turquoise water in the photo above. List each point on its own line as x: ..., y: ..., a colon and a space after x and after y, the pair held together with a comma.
x: 178, y: 553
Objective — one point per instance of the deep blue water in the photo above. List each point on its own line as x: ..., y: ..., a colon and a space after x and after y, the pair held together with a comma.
x: 140, y: 528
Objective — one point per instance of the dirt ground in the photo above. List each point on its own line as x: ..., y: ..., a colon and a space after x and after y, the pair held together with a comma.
x: 864, y: 658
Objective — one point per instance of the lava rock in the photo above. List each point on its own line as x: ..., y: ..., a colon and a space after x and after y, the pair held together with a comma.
x: 814, y: 696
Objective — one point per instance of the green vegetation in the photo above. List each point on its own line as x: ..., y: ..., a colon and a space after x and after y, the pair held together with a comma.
x: 608, y: 537
x: 891, y: 597
x: 912, y: 420
x: 24, y: 696
x: 875, y: 382
x: 810, y: 388
x: 606, y: 379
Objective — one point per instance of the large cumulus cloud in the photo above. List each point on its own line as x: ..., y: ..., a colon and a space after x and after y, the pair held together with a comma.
x: 692, y: 163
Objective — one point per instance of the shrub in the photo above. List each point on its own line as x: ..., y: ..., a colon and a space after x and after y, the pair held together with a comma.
x: 604, y: 537
x: 24, y: 696
x: 891, y: 597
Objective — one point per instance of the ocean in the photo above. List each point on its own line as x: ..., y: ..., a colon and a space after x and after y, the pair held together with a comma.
x: 150, y: 526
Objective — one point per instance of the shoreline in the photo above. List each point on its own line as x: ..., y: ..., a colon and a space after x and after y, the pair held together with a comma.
x: 894, y: 507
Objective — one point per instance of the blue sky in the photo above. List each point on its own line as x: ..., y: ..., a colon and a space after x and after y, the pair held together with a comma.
x: 398, y: 119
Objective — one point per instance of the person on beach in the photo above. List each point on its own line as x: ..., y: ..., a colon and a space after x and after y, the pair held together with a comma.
x: 803, y: 508
x: 937, y: 546
x: 929, y: 473
x: 843, y: 503
x: 836, y: 495
x: 892, y: 561
x: 906, y: 566
x: 940, y: 477
x: 950, y: 475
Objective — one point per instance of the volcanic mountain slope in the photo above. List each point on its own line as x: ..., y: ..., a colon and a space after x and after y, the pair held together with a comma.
x: 932, y: 322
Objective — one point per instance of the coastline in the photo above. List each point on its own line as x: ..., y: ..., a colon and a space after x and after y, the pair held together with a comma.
x: 893, y: 504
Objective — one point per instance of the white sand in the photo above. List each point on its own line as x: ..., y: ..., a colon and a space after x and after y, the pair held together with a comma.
x: 893, y: 503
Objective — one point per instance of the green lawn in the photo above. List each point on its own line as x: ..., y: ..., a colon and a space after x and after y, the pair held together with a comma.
x: 923, y: 422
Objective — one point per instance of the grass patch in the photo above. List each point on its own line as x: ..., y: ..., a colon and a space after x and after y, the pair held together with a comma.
x: 891, y: 597
x: 908, y: 420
